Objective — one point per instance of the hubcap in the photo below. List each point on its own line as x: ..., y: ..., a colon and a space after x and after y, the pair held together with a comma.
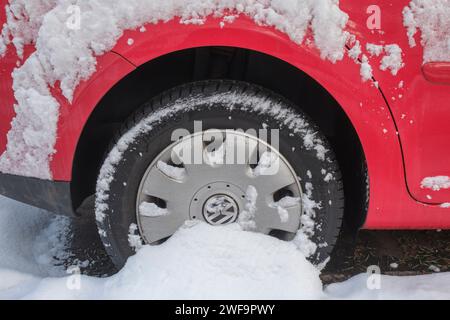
x: 180, y: 185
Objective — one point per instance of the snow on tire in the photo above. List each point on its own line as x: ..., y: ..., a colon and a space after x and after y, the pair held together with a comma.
x: 144, y: 193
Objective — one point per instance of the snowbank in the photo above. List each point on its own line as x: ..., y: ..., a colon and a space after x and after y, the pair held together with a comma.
x: 200, y: 262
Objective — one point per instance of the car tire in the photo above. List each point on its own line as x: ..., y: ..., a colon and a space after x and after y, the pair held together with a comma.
x: 221, y: 105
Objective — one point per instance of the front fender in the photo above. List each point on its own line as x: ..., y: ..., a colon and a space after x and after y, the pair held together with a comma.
x: 111, y: 68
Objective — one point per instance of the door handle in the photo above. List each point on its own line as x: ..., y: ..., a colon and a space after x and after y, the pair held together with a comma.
x: 437, y: 72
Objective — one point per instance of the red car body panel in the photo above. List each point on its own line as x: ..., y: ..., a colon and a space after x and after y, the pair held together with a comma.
x: 392, y: 144
x: 421, y: 109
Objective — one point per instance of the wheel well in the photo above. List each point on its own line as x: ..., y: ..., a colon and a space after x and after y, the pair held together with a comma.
x: 206, y: 63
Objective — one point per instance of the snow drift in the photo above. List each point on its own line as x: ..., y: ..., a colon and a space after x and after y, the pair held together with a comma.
x: 200, y: 261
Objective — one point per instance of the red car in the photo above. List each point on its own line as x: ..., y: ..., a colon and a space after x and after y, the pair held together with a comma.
x: 363, y: 137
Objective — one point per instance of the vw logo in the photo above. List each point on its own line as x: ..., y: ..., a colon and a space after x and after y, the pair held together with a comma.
x: 220, y: 210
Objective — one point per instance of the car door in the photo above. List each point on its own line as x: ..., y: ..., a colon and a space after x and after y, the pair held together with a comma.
x: 418, y: 96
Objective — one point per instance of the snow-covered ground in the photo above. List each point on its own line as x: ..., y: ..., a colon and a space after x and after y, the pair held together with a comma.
x: 199, y: 262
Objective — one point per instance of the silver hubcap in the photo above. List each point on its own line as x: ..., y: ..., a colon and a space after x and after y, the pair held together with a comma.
x: 180, y: 185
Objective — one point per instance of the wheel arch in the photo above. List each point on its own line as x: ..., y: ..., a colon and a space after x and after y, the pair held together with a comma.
x: 278, y: 64
x: 224, y: 63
